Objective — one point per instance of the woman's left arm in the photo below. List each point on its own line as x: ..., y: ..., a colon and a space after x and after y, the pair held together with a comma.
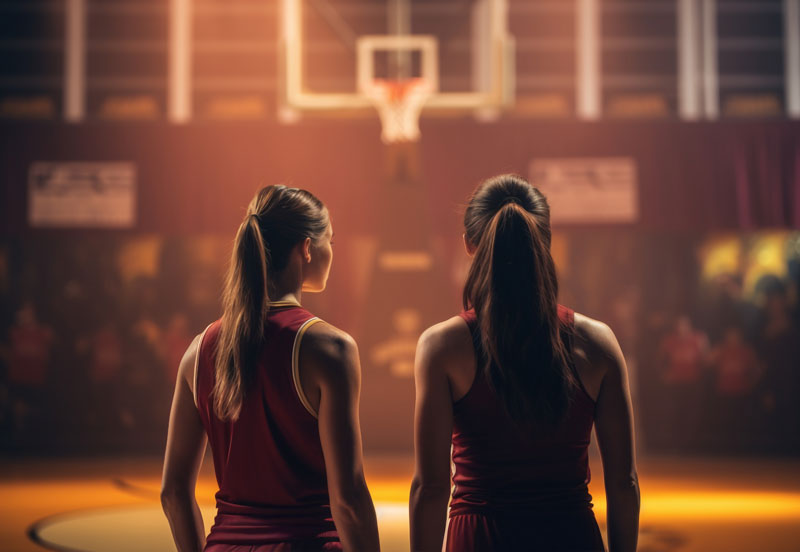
x: 186, y: 444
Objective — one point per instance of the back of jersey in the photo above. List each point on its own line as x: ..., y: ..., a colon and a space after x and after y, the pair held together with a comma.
x: 268, y: 462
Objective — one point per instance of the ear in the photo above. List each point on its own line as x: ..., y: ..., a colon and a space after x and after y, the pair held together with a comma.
x: 305, y: 250
x: 468, y: 246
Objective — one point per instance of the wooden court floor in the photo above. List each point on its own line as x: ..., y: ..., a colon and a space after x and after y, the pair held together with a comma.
x: 111, y: 504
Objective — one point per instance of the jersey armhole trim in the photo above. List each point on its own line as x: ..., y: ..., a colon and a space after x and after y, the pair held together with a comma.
x: 197, y: 363
x: 296, y: 365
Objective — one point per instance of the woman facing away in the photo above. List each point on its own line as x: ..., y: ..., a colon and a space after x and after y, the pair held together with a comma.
x: 275, y: 391
x: 515, y: 384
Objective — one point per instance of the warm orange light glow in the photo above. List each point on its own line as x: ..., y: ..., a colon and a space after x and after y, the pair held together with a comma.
x: 721, y: 255
x: 722, y: 505
x: 766, y: 256
x: 705, y: 505
x: 139, y: 257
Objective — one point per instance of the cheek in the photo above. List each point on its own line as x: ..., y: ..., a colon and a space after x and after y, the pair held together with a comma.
x: 324, y: 259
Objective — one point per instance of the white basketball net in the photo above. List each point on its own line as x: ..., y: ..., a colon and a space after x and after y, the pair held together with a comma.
x: 399, y: 105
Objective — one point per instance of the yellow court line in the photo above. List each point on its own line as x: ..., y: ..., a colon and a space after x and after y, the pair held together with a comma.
x: 741, y: 506
x: 706, y: 505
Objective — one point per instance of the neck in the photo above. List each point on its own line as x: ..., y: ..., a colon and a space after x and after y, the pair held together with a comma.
x: 291, y: 297
x: 286, y: 289
x: 287, y: 284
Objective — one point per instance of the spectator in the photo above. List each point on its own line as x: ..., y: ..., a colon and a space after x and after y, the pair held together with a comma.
x: 682, y: 352
x: 735, y: 364
x: 28, y: 364
x: 723, y: 304
x: 682, y: 355
x: 103, y: 354
x: 105, y: 361
x: 736, y: 371
x: 780, y: 349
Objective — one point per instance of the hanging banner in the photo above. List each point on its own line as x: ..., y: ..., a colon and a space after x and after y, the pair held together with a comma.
x: 85, y: 195
x: 588, y: 190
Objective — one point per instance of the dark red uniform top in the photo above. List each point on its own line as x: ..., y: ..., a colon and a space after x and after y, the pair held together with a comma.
x: 501, y: 469
x: 269, y: 464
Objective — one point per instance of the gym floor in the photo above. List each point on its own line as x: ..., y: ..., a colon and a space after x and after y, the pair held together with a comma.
x: 111, y: 504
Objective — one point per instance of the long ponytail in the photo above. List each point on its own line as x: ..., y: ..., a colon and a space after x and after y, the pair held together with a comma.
x: 277, y: 219
x: 513, y: 288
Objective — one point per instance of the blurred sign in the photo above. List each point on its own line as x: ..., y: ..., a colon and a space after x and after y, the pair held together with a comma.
x: 99, y: 195
x: 588, y: 190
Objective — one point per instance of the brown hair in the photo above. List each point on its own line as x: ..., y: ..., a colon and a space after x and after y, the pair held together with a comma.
x: 277, y: 219
x: 513, y: 288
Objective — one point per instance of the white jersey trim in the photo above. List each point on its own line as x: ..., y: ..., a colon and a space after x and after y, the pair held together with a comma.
x: 296, y: 365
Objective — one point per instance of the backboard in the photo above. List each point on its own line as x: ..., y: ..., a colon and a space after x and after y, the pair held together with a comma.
x: 332, y: 51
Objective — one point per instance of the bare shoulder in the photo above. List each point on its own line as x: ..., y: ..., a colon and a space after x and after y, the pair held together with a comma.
x: 186, y: 368
x: 445, y: 354
x: 328, y: 349
x: 596, y: 343
x: 445, y: 347
x: 328, y: 341
x: 446, y: 338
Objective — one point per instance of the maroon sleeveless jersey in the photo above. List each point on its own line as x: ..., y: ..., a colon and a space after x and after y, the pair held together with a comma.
x: 518, y: 489
x: 268, y: 463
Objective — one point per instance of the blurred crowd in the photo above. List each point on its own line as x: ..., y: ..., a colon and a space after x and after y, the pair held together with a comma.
x: 92, y: 330
x: 90, y: 347
x: 119, y: 382
x: 728, y: 377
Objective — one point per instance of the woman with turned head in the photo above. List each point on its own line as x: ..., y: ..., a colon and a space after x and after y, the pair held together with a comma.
x: 515, y: 384
x: 275, y: 392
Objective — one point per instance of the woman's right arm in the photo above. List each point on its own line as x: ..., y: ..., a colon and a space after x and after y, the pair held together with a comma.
x: 433, y: 428
x: 331, y: 360
x: 186, y: 445
x: 614, y: 427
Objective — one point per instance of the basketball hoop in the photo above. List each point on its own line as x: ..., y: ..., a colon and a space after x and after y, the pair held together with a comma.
x: 399, y: 104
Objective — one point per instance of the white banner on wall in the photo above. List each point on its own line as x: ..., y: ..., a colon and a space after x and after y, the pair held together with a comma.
x: 94, y: 195
x: 588, y: 189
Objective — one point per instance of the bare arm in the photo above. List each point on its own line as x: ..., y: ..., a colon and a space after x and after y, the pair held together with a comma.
x: 433, y: 425
x: 186, y: 444
x: 331, y: 357
x: 614, y: 427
